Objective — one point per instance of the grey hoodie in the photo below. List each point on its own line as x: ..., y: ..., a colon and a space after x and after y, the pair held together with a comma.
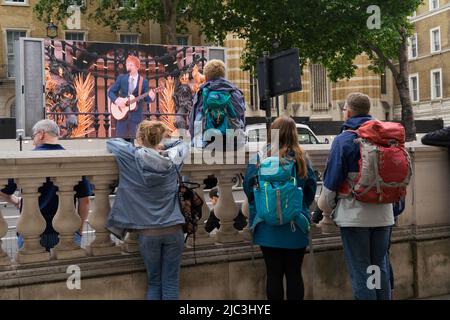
x: 147, y: 195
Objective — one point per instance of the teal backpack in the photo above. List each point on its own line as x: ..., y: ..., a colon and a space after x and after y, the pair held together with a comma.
x: 218, y: 111
x: 278, y: 200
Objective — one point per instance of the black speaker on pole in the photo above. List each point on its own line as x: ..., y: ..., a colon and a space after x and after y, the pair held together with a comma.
x: 284, y: 73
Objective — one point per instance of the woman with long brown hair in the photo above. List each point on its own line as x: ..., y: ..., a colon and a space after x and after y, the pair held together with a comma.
x: 283, y: 246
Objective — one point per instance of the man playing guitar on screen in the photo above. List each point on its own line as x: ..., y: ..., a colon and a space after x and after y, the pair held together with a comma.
x: 126, y: 87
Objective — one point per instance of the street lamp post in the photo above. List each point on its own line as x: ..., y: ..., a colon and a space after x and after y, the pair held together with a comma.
x: 52, y: 30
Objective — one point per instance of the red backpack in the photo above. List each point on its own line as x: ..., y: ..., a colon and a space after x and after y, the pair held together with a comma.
x: 385, y: 166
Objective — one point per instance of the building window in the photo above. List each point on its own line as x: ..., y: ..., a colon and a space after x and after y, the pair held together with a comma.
x: 413, y: 50
x: 15, y: 1
x: 182, y: 40
x: 434, y: 4
x: 76, y: 3
x: 319, y: 87
x: 127, y: 3
x: 12, y: 109
x: 414, y: 87
x: 436, y: 84
x: 74, y: 36
x: 129, y: 38
x: 216, y: 53
x: 11, y: 37
x: 435, y: 39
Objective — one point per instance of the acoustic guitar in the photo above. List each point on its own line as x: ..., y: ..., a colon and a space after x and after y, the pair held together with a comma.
x: 130, y: 104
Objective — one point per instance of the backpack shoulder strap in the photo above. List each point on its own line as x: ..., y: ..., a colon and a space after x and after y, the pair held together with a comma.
x: 205, y: 93
x: 351, y: 130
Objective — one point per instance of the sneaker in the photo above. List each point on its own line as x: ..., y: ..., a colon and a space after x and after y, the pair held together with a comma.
x: 439, y: 138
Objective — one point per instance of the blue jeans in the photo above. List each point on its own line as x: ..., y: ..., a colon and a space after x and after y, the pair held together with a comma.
x: 162, y: 258
x: 364, y: 247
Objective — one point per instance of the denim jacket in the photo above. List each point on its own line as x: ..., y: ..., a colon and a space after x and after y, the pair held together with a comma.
x: 147, y: 195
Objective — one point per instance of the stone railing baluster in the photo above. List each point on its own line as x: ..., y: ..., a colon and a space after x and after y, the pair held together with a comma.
x: 102, y: 244
x: 31, y: 223
x: 5, y: 261
x: 226, y: 209
x: 66, y: 221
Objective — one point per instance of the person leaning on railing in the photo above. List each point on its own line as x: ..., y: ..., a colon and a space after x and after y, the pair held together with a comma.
x: 147, y: 202
x: 45, y: 137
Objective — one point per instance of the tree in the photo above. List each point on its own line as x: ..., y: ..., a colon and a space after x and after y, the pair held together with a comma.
x: 112, y: 13
x: 330, y: 32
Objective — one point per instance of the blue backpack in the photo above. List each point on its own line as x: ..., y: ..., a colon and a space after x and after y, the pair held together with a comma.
x: 218, y: 111
x: 278, y: 200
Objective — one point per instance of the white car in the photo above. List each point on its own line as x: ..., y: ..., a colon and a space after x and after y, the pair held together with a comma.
x: 257, y: 133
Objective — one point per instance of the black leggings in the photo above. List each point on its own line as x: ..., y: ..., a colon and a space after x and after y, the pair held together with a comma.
x: 280, y: 263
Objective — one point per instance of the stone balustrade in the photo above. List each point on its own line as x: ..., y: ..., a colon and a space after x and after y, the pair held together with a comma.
x: 425, y: 219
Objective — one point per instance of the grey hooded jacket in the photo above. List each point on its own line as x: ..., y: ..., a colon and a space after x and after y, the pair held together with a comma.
x: 147, y: 195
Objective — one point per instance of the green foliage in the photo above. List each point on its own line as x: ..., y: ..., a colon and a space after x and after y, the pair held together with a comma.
x: 331, y: 32
x: 114, y: 13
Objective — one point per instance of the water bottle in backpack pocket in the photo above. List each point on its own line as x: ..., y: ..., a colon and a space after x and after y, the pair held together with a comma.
x: 278, y: 200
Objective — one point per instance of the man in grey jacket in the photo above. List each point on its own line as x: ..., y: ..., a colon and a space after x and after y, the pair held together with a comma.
x: 364, y: 226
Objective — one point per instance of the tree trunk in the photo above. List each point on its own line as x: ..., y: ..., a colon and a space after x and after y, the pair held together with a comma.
x: 407, y: 111
x: 402, y: 83
x: 169, y: 27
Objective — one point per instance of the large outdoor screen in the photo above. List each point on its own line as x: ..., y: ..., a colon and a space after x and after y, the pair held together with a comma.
x: 78, y: 76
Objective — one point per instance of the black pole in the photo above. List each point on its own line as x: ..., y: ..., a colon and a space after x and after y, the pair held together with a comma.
x: 267, y: 100
x: 19, y: 135
x: 278, y: 106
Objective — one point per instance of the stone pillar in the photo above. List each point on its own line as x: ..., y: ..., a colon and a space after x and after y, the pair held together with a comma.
x: 130, y: 244
x: 102, y: 244
x: 66, y: 221
x: 201, y: 236
x: 226, y: 210
x: 5, y: 261
x: 31, y: 223
x: 327, y: 225
x: 246, y: 233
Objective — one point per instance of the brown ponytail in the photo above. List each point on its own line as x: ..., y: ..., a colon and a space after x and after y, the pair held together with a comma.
x: 288, y: 141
